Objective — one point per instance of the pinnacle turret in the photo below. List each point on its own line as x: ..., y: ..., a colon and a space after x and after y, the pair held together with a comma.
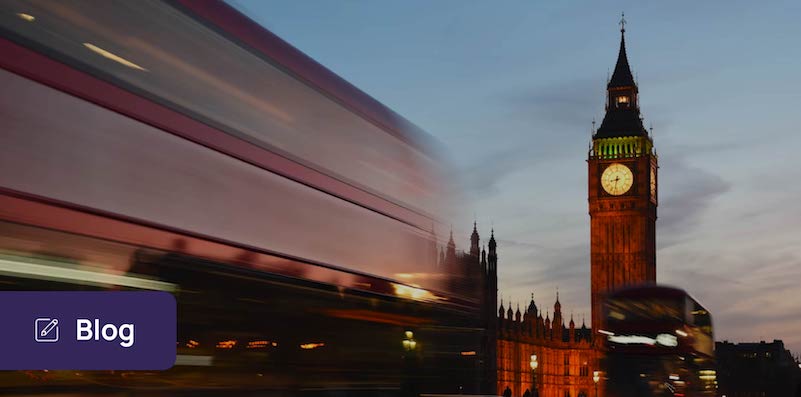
x: 474, y: 249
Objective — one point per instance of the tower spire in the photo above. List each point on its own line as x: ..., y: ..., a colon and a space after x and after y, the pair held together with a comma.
x: 474, y: 239
x: 450, y: 253
x: 622, y: 76
x: 622, y: 117
x: 532, y: 307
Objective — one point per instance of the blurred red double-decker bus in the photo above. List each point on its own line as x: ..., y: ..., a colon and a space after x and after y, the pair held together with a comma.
x: 180, y: 146
x: 660, y: 342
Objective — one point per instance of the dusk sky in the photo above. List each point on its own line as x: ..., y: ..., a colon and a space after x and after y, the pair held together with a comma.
x: 511, y: 88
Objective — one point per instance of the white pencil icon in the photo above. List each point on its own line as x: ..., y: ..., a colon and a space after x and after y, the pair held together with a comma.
x: 49, y: 327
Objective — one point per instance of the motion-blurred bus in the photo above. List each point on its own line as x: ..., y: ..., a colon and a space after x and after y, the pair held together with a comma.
x: 660, y: 343
x: 179, y: 146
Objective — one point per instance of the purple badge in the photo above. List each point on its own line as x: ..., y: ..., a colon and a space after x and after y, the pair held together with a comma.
x: 88, y: 330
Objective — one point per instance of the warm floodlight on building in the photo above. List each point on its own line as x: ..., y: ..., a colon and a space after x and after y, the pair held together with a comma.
x: 408, y: 342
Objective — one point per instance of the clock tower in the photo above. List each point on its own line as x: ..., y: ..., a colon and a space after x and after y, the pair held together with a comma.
x: 622, y: 169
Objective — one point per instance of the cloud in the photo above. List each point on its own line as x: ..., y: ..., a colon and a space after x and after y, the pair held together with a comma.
x: 538, y: 124
x: 564, y: 104
x: 750, y: 287
x: 480, y: 176
x: 507, y: 243
x: 542, y: 270
x: 691, y: 190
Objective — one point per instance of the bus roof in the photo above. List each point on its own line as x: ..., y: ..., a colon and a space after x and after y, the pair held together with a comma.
x: 641, y: 291
x: 650, y: 291
x: 251, y: 35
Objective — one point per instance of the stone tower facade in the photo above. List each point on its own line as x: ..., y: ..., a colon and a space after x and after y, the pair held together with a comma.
x: 622, y: 192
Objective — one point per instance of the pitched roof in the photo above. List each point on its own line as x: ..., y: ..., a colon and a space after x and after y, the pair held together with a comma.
x: 622, y: 77
x: 621, y: 122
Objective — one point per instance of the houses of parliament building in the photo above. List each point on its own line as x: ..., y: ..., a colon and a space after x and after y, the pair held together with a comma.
x: 622, y: 199
x: 566, y: 353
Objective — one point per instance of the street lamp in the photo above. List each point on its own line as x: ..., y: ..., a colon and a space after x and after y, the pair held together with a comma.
x: 409, y: 343
x: 534, y: 364
x: 596, y: 376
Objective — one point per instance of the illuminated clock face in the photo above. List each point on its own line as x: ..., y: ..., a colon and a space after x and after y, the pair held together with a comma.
x: 617, y: 179
x: 653, y: 183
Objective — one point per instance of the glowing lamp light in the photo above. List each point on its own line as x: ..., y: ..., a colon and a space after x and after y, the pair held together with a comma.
x: 470, y: 353
x: 414, y: 293
x: 114, y: 57
x: 310, y: 346
x: 605, y: 332
x: 617, y: 315
x: 43, y: 269
x: 596, y: 376
x: 260, y: 344
x: 667, y: 340
x: 681, y: 333
x: 226, y: 344
x: 661, y: 339
x: 408, y: 342
x: 27, y: 17
x: 631, y: 339
x: 534, y: 363
x: 673, y: 377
